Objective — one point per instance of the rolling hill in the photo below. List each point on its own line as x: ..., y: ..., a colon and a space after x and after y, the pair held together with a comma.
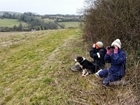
x: 10, y: 22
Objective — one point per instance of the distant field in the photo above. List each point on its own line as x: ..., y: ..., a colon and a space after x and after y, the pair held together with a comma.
x: 48, y: 20
x: 66, y: 24
x: 10, y: 22
x: 70, y: 24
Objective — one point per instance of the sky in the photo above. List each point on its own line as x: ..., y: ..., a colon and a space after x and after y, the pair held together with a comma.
x: 43, y: 6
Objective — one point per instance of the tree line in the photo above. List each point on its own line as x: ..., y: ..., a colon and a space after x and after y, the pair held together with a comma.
x: 36, y: 22
x: 64, y: 18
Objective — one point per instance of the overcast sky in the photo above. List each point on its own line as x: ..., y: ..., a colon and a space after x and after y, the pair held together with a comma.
x: 42, y: 6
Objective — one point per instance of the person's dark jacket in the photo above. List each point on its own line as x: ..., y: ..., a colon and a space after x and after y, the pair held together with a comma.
x: 98, y: 56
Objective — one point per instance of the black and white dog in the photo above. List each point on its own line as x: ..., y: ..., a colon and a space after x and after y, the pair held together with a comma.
x: 86, y: 65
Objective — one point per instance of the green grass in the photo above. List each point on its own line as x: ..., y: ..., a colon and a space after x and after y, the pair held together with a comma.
x: 10, y: 22
x: 25, y: 67
x: 34, y: 70
x: 70, y: 24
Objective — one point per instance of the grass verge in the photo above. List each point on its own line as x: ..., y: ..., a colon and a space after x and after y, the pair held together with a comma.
x: 35, y: 71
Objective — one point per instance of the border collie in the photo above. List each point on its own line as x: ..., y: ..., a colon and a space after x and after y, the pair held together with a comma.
x: 86, y: 65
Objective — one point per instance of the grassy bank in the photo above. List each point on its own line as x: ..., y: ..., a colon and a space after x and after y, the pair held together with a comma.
x: 34, y: 70
x: 26, y: 73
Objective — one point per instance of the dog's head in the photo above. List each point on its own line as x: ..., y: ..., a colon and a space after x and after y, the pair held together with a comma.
x: 79, y: 59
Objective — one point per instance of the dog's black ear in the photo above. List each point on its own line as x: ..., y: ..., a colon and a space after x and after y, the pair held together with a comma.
x: 79, y: 58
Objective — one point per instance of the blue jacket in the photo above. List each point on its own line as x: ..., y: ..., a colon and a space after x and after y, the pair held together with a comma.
x: 118, y: 63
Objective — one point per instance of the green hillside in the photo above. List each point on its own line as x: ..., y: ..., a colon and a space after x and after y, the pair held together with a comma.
x: 70, y: 24
x: 36, y: 21
x: 10, y: 22
x: 48, y: 20
x: 34, y: 70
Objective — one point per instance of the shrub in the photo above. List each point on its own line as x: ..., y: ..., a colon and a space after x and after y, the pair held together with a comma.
x: 107, y: 20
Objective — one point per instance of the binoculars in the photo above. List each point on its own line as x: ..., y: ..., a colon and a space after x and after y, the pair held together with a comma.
x: 109, y: 47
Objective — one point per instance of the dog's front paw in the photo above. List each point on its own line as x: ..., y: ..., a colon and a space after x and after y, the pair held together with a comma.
x: 84, y: 72
x: 87, y: 73
x: 83, y: 75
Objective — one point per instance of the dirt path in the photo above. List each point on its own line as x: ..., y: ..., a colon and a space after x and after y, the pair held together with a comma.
x: 55, y: 53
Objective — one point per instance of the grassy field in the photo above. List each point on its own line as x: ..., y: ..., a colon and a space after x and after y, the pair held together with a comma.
x: 34, y: 70
x: 70, y: 24
x: 66, y: 24
x: 48, y: 20
x: 10, y: 22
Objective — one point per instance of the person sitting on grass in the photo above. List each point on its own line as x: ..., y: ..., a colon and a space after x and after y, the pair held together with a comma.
x: 117, y: 58
x: 97, y: 52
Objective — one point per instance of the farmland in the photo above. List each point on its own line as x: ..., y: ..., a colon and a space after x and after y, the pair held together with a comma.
x: 10, y: 22
x: 70, y: 24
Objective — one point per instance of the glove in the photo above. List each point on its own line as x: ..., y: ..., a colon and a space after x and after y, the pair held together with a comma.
x: 94, y: 45
x: 108, y: 51
x: 115, y: 50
